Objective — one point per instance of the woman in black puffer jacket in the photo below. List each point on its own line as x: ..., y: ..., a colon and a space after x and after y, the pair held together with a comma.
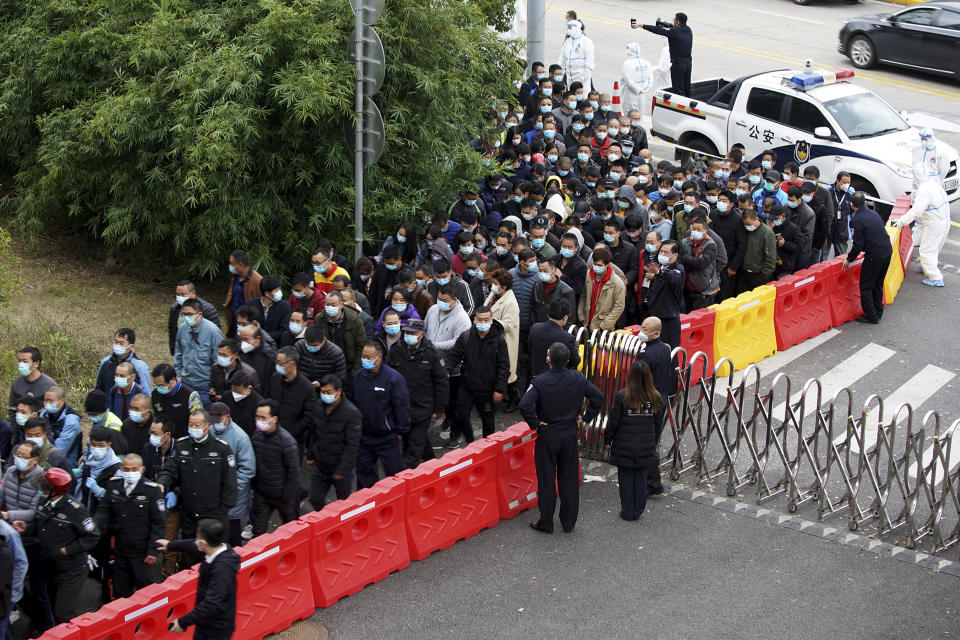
x: 631, y: 436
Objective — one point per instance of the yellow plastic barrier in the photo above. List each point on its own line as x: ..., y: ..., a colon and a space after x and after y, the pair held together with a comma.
x: 894, y: 277
x: 744, y: 328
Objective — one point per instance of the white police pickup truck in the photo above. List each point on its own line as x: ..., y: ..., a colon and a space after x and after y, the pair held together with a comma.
x: 809, y: 117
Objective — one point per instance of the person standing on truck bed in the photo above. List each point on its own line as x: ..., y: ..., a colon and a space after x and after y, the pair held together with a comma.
x: 680, y: 38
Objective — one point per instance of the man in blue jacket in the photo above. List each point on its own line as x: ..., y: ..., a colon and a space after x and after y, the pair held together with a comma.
x: 195, y: 350
x: 380, y: 393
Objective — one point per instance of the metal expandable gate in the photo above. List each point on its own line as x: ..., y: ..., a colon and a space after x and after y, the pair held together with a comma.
x: 867, y: 463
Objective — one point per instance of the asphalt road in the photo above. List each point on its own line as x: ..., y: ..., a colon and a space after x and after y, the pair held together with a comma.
x: 685, y: 570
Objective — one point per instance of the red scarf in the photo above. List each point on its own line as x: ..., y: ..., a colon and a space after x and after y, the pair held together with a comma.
x: 597, y: 288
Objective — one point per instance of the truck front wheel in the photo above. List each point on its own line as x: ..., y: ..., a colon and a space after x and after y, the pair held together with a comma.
x: 697, y: 154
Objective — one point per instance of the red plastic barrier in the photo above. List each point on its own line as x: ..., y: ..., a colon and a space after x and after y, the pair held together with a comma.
x: 799, y: 310
x: 844, y: 290
x: 696, y: 334
x: 516, y: 473
x: 906, y: 248
x: 274, y: 587
x: 145, y: 615
x: 65, y: 631
x: 452, y: 498
x: 358, y: 541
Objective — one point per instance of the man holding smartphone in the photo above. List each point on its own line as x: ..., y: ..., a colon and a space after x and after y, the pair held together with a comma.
x: 680, y: 39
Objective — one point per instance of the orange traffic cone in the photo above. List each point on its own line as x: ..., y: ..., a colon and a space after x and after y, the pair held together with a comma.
x: 616, y: 99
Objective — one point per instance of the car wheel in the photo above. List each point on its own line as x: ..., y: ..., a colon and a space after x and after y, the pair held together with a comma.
x: 802, y: 3
x: 883, y: 210
x: 696, y: 157
x: 861, y: 52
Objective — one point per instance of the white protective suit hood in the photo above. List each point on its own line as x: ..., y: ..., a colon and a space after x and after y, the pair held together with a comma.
x: 633, y: 50
x: 574, y: 28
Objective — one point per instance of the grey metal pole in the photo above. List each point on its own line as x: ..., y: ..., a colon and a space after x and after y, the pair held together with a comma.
x: 536, y: 30
x: 358, y: 137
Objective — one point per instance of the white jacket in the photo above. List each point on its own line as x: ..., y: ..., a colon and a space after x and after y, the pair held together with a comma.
x: 577, y: 58
x: 636, y: 78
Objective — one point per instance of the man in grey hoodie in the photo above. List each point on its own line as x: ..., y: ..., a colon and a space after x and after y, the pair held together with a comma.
x: 444, y: 323
x: 628, y: 195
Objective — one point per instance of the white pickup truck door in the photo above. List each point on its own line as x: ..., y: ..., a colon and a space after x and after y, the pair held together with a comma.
x: 760, y: 124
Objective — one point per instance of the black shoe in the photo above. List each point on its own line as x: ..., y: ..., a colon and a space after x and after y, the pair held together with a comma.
x: 654, y: 492
x: 866, y: 320
x: 570, y: 530
x: 510, y: 407
x: 623, y: 517
x: 536, y: 527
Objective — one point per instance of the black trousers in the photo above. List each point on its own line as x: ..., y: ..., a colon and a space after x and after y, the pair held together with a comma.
x: 558, y: 468
x: 131, y: 573
x: 633, y: 491
x: 872, y: 273
x: 188, y: 523
x: 680, y: 77
x: 264, y: 507
x: 654, y: 485
x: 728, y: 286
x: 695, y: 300
x: 64, y: 584
x: 320, y: 482
x: 387, y: 449
x: 670, y: 331
x: 36, y: 602
x: 747, y: 281
x: 416, y: 443
x: 467, y: 401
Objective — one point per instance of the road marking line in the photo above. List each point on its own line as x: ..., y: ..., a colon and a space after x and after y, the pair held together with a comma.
x: 914, y: 391
x: 841, y: 376
x: 784, y: 15
x: 779, y: 360
x: 953, y: 243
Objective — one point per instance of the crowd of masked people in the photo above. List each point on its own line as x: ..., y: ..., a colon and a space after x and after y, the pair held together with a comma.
x: 298, y: 388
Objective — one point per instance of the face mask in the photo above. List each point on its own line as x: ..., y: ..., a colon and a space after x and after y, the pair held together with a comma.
x: 526, y: 216
x: 331, y: 311
x: 136, y: 416
x: 663, y: 260
x: 481, y: 246
x: 623, y: 205
x: 119, y: 350
x: 697, y: 235
x: 279, y: 369
x: 277, y: 295
x: 51, y: 407
x: 928, y: 143
x: 466, y: 249
x: 751, y: 227
x: 155, y: 440
x: 411, y: 339
x: 544, y: 109
x: 21, y: 464
x: 588, y: 117
x: 190, y: 320
x: 443, y: 306
x: 613, y: 131
x: 740, y: 192
x: 120, y: 382
x: 365, y: 277
x: 98, y: 453
x: 722, y: 206
x: 391, y: 329
x: 163, y: 390
x: 233, y: 269
x: 807, y: 198
x: 130, y: 477
x: 567, y: 253
x: 263, y: 425
x: 615, y: 175
x: 196, y: 434
x: 754, y: 180
x: 532, y: 267
x: 777, y: 223
x: 769, y: 186
x: 613, y: 157
x: 299, y: 294
x: 553, y: 157
x: 501, y: 251
x: 495, y: 288
x: 544, y: 91
x: 483, y: 327
x: 391, y: 267
x: 549, y: 134
x: 712, y: 199
x: 245, y: 347
x: 442, y: 281
x: 766, y: 164
x: 651, y: 248
x: 516, y: 141
x: 609, y: 195
x: 21, y: 418
x: 793, y: 204
x: 594, y: 104
x: 544, y: 276
x: 851, y: 190
x: 664, y: 192
x: 537, y: 243
x: 23, y: 368
x: 572, y: 104
x: 37, y: 441
x: 609, y: 238
x: 601, y: 135
x: 654, y: 216
x: 688, y: 208
x: 578, y: 127
x: 319, y: 268
x: 368, y: 364
x: 591, y: 183
x: 328, y: 398
x: 678, y: 183
x: 502, y: 115
x: 95, y: 420
x: 401, y: 239
x: 597, y: 269
x: 224, y: 361
x: 238, y: 397
x: 582, y: 157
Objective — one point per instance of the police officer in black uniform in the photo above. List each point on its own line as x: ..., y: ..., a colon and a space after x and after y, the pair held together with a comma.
x: 204, y: 469
x: 553, y: 405
x: 66, y: 532
x: 133, y: 513
x: 870, y: 237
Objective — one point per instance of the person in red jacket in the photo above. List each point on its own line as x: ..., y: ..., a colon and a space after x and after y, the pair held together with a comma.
x: 304, y: 297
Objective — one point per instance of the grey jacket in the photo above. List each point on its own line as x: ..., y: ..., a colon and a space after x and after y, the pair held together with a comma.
x: 18, y: 495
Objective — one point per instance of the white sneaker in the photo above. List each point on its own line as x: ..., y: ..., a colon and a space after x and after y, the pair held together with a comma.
x: 247, y: 533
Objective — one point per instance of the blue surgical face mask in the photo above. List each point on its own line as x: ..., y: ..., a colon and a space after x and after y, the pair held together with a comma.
x: 328, y: 398
x: 793, y: 204
x: 545, y: 276
x: 545, y: 91
x: 474, y: 273
x: 466, y: 249
x: 368, y: 364
x: 391, y: 329
x: 224, y: 361
x: 609, y: 238
x: 277, y: 295
x: 563, y: 173
x: 769, y: 186
x: 299, y: 294
x: 567, y: 253
x: 102, y: 418
x: 233, y: 269
x: 391, y: 267
x: 411, y: 339
x: 136, y: 416
x: 663, y: 260
x: 295, y: 327
x: 21, y: 418
x: 777, y: 222
x: 51, y: 407
x: 312, y: 348
x: 766, y: 164
x: 331, y: 311
x: 583, y: 157
x: 610, y: 194
x: 553, y: 157
x: 517, y: 199
x: 120, y: 382
x: 807, y: 198
x: 754, y: 179
x: 740, y: 192
x: 615, y: 175
x: 23, y: 368
x: 162, y: 390
x: 594, y: 104
x: 98, y: 453
x: 401, y: 239
x: 532, y: 267
x: 549, y: 134
x: 697, y: 235
x: 591, y: 183
x: 599, y: 270
x: 544, y: 108
x: 588, y: 117
x: 722, y: 206
x: 571, y: 104
x: 130, y: 477
x: 577, y: 127
x: 537, y: 243
x: 21, y: 464
x: 279, y: 369
x: 196, y: 434
x: 399, y: 307
x: 119, y: 350
x: 688, y: 208
x: 443, y: 305
x: 442, y: 281
x: 319, y: 268
x: 470, y: 202
x: 557, y: 78
x: 483, y: 327
x: 651, y: 248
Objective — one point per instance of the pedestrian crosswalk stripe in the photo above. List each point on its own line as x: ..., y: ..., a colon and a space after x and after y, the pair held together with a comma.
x: 841, y: 376
x: 914, y: 391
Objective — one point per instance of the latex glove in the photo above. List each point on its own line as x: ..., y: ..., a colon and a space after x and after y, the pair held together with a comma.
x: 171, y: 500
x: 95, y: 489
x: 896, y: 223
x: 92, y: 563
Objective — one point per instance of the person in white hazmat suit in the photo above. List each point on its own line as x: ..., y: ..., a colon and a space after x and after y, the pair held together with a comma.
x: 932, y: 208
x: 577, y: 56
x: 927, y: 162
x: 636, y: 78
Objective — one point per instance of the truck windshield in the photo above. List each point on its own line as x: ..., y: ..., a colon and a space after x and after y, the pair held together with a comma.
x: 864, y: 115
